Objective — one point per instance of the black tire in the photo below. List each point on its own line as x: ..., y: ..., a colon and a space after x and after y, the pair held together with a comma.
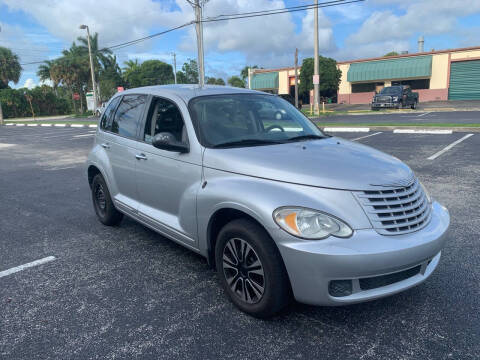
x: 103, y: 204
x: 414, y: 105
x: 276, y: 286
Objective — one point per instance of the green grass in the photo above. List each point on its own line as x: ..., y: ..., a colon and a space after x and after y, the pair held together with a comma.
x: 448, y: 125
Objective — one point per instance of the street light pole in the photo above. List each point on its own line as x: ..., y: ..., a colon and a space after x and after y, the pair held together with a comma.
x: 316, y: 86
x: 91, y: 69
x: 199, y: 28
x: 175, y: 67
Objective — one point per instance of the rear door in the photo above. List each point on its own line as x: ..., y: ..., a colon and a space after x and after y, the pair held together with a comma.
x: 120, y: 141
x: 168, y: 181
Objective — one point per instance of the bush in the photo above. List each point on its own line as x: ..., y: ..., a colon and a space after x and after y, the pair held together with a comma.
x: 44, y: 102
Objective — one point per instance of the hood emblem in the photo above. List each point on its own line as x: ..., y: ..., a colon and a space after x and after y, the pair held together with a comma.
x: 398, y: 183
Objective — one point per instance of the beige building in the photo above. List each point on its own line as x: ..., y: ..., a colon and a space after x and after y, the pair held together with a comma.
x: 436, y: 75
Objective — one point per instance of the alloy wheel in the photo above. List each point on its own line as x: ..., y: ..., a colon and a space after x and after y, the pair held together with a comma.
x: 243, y: 271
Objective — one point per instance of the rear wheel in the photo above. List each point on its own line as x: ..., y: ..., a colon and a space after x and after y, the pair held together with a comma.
x: 251, y: 270
x: 103, y: 204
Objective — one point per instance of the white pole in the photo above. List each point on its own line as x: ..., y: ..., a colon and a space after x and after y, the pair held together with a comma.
x: 175, y: 67
x: 94, y: 85
x: 296, y: 78
x: 199, y: 28
x: 316, y: 87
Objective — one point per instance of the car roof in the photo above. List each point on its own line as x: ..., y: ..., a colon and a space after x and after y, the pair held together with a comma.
x: 188, y: 91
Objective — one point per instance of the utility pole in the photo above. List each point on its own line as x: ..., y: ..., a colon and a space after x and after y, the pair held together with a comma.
x: 1, y: 112
x: 199, y: 28
x: 316, y: 85
x: 296, y: 78
x: 175, y: 67
x: 94, y: 85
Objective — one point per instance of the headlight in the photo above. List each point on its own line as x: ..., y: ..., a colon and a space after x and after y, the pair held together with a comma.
x: 310, y: 224
x: 427, y: 194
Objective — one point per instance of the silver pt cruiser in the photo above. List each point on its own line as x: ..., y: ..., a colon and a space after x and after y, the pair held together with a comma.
x: 278, y: 207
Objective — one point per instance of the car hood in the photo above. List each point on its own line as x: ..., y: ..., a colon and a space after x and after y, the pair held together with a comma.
x: 330, y: 163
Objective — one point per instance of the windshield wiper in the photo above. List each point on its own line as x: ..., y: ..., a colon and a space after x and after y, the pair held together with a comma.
x: 307, y: 137
x: 246, y: 142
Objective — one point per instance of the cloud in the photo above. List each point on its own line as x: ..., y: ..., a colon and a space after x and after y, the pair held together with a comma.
x: 266, y: 41
x: 29, y: 84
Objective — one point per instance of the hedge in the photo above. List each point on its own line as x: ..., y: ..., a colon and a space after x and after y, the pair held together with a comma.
x: 44, y: 102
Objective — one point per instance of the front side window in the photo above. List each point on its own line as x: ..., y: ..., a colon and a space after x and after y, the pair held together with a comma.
x: 128, y: 115
x: 248, y: 120
x: 164, y: 117
x: 107, y: 115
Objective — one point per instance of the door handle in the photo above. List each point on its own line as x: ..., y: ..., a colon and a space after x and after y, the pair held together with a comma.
x: 105, y: 145
x: 140, y: 157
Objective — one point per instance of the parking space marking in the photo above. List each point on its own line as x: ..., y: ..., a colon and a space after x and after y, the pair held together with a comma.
x: 444, y: 150
x: 363, y: 137
x: 424, y: 114
x: 26, y: 266
x: 83, y: 135
x: 346, y: 129
x: 422, y: 131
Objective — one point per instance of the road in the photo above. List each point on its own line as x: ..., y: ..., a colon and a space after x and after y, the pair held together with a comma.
x: 450, y: 117
x: 125, y: 292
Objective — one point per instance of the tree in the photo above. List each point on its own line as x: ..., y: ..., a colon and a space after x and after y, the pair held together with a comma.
x: 244, y: 72
x: 10, y: 68
x: 391, y: 53
x: 236, y: 82
x: 214, y: 81
x: 150, y: 72
x: 110, y: 77
x: 329, y: 77
x: 98, y: 54
x: 189, y: 73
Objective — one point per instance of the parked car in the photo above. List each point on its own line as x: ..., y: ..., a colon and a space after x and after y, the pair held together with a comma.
x: 397, y: 97
x: 100, y: 109
x: 279, y: 212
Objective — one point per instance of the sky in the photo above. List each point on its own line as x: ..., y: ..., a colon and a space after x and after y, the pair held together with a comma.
x: 40, y: 30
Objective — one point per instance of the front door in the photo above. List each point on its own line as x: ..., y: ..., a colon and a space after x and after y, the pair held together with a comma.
x: 168, y: 181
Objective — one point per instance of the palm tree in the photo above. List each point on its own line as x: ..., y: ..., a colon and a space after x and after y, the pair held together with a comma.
x: 98, y: 54
x: 45, y: 72
x: 131, y: 65
x: 10, y: 68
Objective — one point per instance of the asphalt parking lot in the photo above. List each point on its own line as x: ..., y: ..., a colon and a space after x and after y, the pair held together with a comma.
x: 126, y: 292
x: 406, y: 117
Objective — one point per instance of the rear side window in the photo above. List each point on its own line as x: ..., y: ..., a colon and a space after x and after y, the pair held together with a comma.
x: 128, y: 115
x: 108, y: 114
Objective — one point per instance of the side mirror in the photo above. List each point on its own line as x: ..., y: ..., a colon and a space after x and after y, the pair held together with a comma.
x: 166, y: 141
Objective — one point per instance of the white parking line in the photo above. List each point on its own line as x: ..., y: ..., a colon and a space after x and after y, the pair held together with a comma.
x: 422, y: 131
x: 434, y: 156
x: 83, y: 135
x: 33, y: 124
x: 26, y: 266
x: 77, y: 125
x: 59, y: 125
x: 363, y: 137
x: 46, y: 124
x: 424, y: 114
x: 92, y: 126
x: 345, y: 129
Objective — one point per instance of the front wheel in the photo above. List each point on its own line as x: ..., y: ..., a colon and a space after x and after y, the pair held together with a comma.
x: 251, y: 270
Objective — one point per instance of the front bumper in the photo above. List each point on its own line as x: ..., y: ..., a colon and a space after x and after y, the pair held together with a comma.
x: 378, y: 105
x: 312, y: 265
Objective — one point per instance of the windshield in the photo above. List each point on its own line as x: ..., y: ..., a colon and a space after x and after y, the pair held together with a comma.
x: 394, y: 90
x: 249, y: 120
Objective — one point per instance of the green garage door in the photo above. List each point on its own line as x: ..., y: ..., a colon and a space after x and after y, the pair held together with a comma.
x: 464, y: 80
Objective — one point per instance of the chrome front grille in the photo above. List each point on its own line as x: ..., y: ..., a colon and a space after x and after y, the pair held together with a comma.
x: 394, y: 211
x: 384, y: 99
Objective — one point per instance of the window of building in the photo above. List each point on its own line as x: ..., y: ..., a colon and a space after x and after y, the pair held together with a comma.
x: 128, y: 115
x: 106, y: 120
x: 366, y: 87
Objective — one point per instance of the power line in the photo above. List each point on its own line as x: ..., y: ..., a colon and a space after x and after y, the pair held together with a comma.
x: 225, y: 17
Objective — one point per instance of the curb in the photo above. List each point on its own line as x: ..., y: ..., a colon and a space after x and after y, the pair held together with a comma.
x: 54, y: 125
